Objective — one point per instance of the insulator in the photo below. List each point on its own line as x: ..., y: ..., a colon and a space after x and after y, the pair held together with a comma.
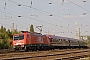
x: 50, y: 3
x: 19, y: 5
x: 51, y: 15
x: 84, y: 0
x: 19, y: 16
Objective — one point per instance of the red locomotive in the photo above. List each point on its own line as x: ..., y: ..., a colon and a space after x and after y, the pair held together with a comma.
x: 30, y: 41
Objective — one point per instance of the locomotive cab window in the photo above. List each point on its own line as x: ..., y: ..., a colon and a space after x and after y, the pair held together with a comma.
x: 21, y: 37
x: 16, y: 37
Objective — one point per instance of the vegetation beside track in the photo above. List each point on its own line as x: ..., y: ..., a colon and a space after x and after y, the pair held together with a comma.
x: 6, y: 37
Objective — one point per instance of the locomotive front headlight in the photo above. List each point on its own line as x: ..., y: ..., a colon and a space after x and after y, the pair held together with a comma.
x: 14, y: 44
x: 17, y: 44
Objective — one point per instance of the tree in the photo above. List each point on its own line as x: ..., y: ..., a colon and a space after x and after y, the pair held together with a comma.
x: 31, y: 28
x: 16, y: 31
x: 3, y: 34
x: 6, y: 37
x: 9, y: 33
x: 1, y: 43
x: 88, y: 40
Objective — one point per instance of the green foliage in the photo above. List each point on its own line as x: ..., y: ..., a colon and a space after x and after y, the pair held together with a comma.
x: 9, y: 34
x: 16, y: 31
x: 31, y: 28
x: 88, y: 41
x: 1, y: 44
x: 6, y: 37
x: 3, y: 33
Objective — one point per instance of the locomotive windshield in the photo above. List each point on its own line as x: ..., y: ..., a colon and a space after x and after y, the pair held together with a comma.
x: 20, y: 37
x: 16, y: 37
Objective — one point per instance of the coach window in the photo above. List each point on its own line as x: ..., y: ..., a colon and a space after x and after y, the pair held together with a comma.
x: 61, y: 39
x: 64, y: 39
x: 69, y: 41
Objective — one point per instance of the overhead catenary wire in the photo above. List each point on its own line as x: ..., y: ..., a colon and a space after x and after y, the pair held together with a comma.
x: 32, y: 7
x: 27, y: 6
x: 40, y: 10
x: 34, y: 19
x: 37, y: 9
x: 78, y: 5
x: 69, y: 11
x: 45, y: 11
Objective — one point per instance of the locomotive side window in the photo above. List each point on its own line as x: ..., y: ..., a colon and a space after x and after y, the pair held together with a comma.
x: 21, y: 37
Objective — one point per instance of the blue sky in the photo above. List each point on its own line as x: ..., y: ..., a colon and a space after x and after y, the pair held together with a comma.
x: 62, y: 22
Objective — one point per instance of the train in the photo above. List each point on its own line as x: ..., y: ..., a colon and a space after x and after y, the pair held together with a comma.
x: 36, y: 41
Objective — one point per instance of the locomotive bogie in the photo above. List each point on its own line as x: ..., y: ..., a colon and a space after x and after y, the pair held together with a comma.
x: 35, y: 47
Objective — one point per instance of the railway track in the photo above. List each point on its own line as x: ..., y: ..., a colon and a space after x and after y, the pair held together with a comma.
x: 47, y: 55
x: 5, y: 51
